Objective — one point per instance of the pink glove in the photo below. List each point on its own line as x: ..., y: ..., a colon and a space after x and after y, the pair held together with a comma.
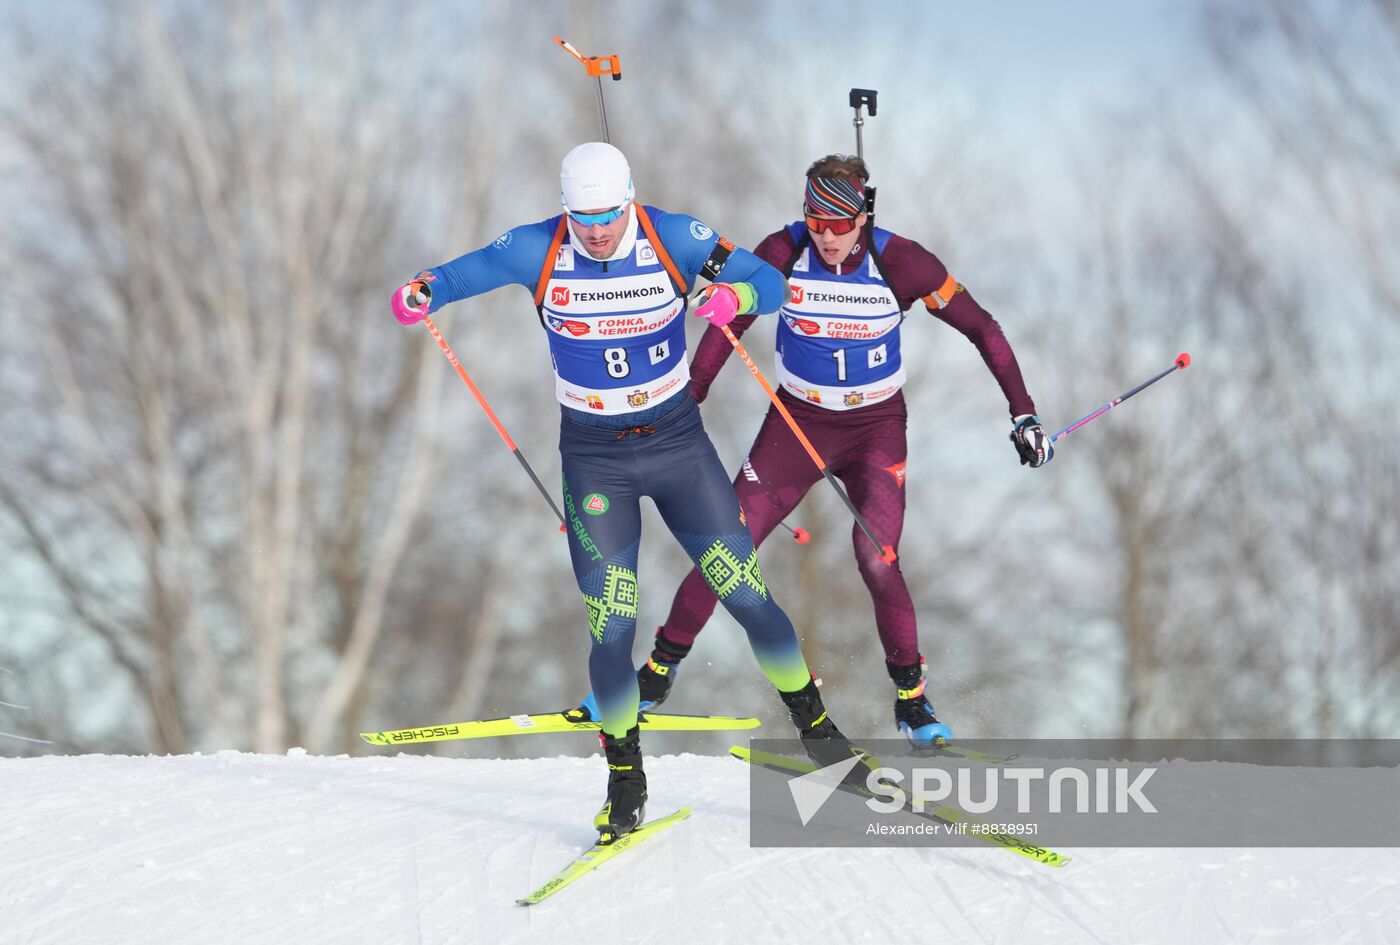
x: 411, y: 300
x: 720, y: 306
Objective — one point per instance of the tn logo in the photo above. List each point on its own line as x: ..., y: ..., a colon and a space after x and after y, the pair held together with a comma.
x: 559, y: 295
x: 796, y: 294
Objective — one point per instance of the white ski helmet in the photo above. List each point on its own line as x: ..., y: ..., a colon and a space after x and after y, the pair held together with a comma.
x: 594, y: 176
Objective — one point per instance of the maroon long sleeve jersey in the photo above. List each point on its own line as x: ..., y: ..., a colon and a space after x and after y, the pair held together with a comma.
x: 913, y: 274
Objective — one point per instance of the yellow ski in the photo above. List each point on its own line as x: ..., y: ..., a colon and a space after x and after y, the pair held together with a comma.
x: 599, y: 854
x: 571, y: 720
x: 943, y: 814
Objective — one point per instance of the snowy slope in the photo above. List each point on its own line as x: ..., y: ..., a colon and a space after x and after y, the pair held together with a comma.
x: 289, y: 849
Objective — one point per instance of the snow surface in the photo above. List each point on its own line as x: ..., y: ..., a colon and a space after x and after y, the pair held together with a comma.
x: 247, y: 848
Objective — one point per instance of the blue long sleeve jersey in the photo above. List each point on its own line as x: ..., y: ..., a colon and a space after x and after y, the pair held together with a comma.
x: 616, y: 331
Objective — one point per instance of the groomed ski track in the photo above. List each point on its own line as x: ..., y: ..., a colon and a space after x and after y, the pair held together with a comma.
x: 297, y: 848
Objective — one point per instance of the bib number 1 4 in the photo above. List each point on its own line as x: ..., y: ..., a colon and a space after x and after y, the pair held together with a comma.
x: 875, y: 357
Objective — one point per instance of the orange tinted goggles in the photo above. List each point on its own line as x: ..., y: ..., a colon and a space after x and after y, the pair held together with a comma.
x: 840, y: 226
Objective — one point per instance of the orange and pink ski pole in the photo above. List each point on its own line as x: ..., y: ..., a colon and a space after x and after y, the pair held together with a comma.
x: 491, y: 415
x: 887, y: 553
x: 1183, y: 361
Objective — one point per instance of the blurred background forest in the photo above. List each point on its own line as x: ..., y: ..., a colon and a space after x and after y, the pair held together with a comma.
x: 241, y: 507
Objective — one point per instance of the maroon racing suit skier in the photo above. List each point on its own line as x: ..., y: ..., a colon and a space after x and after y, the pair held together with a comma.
x: 841, y: 374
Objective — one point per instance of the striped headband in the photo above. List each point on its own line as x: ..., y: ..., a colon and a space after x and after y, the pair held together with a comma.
x: 834, y: 197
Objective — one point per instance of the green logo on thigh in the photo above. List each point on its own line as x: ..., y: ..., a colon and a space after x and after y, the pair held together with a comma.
x: 619, y: 599
x: 595, y: 503
x: 725, y: 573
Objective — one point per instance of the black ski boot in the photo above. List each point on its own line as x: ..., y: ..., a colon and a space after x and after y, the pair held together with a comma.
x: 912, y: 714
x: 627, y: 788
x: 658, y: 673
x: 821, y: 739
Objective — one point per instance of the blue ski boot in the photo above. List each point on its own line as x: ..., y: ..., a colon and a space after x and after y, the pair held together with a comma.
x: 912, y: 713
x: 654, y: 679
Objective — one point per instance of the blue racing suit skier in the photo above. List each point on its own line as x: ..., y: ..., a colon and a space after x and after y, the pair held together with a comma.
x: 611, y: 280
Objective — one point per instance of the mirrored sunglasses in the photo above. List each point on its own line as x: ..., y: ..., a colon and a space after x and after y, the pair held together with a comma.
x: 604, y: 217
x: 840, y: 226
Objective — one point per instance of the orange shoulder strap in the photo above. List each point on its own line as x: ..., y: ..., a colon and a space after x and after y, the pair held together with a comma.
x: 548, y: 268
x: 661, y: 253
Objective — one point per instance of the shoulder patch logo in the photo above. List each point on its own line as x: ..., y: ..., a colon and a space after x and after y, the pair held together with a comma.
x: 700, y: 231
x: 646, y: 256
x: 564, y: 262
x: 503, y: 240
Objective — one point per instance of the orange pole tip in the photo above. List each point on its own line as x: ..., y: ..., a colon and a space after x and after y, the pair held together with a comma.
x: 594, y: 65
x: 888, y: 556
x: 569, y: 48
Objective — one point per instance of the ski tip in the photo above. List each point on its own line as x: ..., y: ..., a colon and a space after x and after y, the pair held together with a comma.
x: 1183, y: 361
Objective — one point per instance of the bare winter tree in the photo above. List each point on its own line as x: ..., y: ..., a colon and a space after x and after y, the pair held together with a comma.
x: 1239, y: 528
x: 1317, y: 84
x: 217, y: 461
x: 242, y: 507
